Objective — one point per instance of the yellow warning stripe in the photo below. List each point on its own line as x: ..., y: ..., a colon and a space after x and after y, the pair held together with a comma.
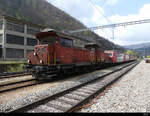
x: 54, y: 58
x: 48, y: 59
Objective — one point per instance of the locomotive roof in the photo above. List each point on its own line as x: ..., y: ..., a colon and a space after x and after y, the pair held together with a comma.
x: 45, y: 34
x: 52, y: 32
x: 92, y: 45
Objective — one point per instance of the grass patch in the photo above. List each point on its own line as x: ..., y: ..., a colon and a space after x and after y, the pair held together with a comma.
x: 12, y: 62
x: 15, y: 68
x: 11, y: 66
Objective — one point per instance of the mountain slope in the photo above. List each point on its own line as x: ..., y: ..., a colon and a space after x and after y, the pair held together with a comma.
x: 44, y: 13
x: 143, y: 49
x: 138, y: 46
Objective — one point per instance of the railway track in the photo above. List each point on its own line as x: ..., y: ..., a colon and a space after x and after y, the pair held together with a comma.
x: 16, y: 81
x: 17, y: 85
x: 13, y: 74
x: 69, y: 100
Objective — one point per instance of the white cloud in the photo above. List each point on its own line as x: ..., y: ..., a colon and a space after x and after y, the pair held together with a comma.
x: 98, y: 17
x: 80, y: 9
x: 111, y: 2
x: 83, y: 10
x: 94, y: 16
x: 131, y: 34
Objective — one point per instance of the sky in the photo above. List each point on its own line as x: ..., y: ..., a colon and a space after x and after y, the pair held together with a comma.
x: 102, y: 12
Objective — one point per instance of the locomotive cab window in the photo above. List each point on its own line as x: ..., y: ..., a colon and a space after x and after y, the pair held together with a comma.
x: 38, y: 49
x: 48, y: 40
x: 43, y: 50
x: 110, y: 54
x: 91, y: 49
x: 66, y: 42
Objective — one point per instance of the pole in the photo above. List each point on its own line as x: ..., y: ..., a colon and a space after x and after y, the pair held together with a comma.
x: 113, y: 37
x: 144, y: 52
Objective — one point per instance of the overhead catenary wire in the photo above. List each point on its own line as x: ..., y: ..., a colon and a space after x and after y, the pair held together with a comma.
x: 92, y: 4
x: 113, y: 25
x: 108, y: 21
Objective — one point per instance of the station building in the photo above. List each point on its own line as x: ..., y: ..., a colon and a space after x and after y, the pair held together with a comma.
x: 16, y: 38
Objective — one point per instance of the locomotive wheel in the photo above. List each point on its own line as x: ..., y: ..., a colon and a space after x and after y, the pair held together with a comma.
x: 37, y: 76
x: 60, y: 74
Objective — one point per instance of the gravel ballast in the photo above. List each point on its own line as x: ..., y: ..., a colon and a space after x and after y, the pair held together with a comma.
x: 130, y: 94
x: 40, y: 93
x: 23, y: 100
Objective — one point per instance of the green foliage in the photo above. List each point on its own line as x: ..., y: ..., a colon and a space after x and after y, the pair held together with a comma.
x: 12, y: 62
x: 17, y: 15
x: 129, y: 52
x: 8, y: 8
x: 45, y: 11
x: 85, y: 33
x: 27, y: 18
x: 34, y: 2
x: 28, y: 2
x: 58, y: 28
x: 148, y: 56
x: 15, y: 68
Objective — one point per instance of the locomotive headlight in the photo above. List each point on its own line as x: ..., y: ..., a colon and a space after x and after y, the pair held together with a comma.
x: 34, y: 54
x: 41, y: 61
x: 28, y: 61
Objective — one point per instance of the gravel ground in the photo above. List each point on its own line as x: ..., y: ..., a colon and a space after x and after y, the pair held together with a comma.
x: 42, y: 93
x: 130, y: 94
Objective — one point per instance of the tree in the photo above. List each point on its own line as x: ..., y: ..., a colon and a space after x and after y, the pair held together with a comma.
x: 148, y: 56
x: 129, y: 52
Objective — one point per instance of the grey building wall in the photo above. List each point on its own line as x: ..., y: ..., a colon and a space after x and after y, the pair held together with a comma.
x: 16, y: 40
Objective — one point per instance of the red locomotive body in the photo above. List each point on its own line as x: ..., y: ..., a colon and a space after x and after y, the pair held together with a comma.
x: 55, y: 54
x: 113, y: 55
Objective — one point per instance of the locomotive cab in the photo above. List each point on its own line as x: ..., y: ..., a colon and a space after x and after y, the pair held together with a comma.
x: 112, y: 54
x: 42, y: 61
x: 53, y: 53
x: 43, y: 52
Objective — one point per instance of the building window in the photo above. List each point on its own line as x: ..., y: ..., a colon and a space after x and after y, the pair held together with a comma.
x: 1, y: 53
x: 29, y: 51
x: 32, y: 30
x: 13, y: 39
x: 66, y: 42
x: 1, y: 38
x: 15, y: 27
x: 31, y: 42
x: 14, y: 53
x: 1, y: 24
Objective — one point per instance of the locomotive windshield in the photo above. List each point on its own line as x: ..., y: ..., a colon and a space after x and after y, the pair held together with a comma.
x: 110, y: 54
x: 48, y: 40
x: 66, y: 42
